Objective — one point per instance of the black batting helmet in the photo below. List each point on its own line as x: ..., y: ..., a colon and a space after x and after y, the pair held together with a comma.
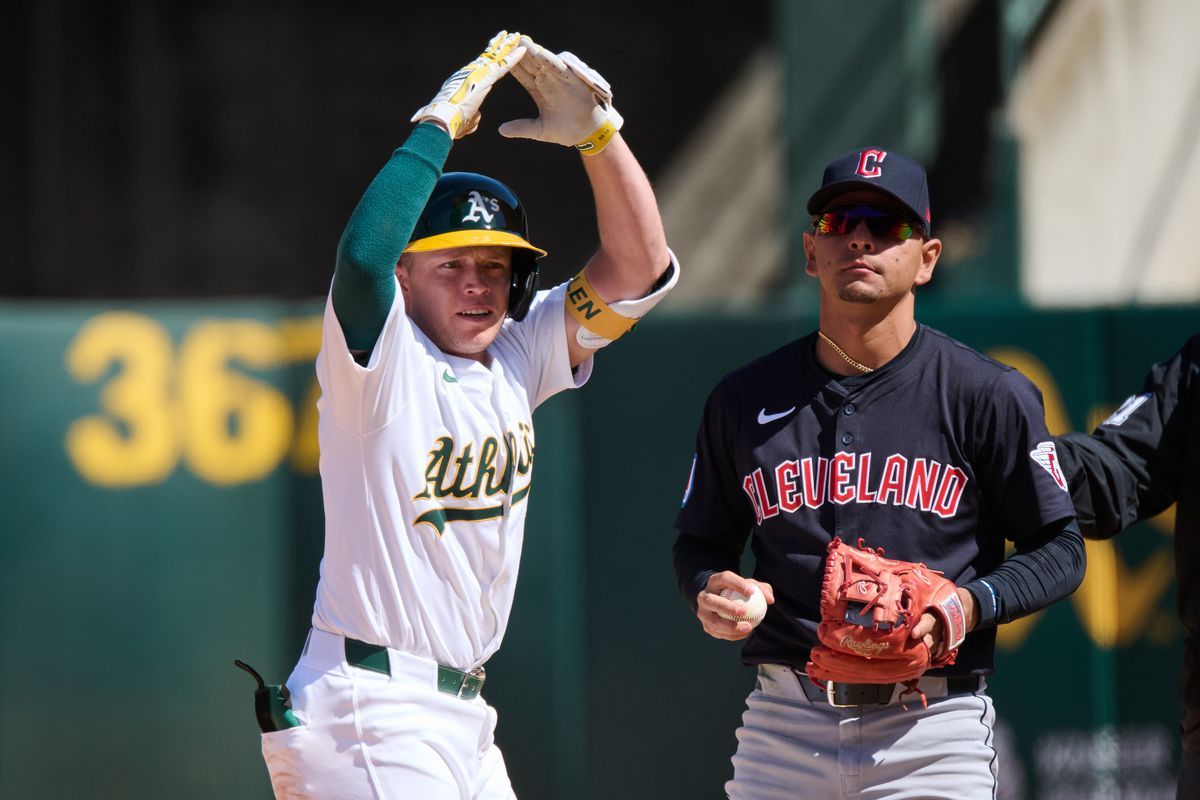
x: 466, y: 210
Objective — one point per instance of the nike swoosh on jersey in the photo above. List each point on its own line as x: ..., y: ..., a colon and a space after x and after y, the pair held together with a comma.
x: 448, y: 378
x: 764, y: 417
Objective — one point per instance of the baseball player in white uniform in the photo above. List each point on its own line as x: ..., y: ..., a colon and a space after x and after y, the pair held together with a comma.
x: 436, y: 349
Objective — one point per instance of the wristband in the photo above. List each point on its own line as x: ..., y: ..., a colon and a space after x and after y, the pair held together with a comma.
x: 598, y: 140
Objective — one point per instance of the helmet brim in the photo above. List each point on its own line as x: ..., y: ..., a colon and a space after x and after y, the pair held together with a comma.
x: 472, y: 237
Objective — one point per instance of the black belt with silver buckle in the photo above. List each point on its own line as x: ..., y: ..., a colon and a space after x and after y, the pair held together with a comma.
x: 841, y: 695
x: 464, y: 685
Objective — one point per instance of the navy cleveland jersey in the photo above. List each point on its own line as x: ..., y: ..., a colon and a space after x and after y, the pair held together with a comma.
x: 937, y: 456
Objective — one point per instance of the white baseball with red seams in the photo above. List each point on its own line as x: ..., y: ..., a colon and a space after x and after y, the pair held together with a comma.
x: 756, y: 605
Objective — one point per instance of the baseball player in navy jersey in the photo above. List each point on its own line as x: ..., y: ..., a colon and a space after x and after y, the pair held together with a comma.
x: 1138, y: 462
x: 436, y: 349
x: 878, y: 428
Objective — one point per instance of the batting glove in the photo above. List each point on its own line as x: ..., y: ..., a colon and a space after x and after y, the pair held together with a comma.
x: 456, y: 105
x: 574, y: 102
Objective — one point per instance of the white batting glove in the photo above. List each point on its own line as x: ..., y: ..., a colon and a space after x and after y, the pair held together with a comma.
x: 574, y: 102
x: 456, y: 105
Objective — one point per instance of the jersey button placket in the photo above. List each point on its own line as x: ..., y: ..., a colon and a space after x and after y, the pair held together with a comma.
x: 848, y: 410
x: 845, y: 518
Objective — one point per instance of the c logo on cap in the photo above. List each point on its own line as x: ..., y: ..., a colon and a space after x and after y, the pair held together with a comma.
x: 869, y: 163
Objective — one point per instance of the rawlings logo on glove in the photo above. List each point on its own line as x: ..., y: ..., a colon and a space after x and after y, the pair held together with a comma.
x: 869, y: 606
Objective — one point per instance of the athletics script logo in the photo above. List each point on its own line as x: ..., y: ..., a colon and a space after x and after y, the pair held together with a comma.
x: 475, y: 471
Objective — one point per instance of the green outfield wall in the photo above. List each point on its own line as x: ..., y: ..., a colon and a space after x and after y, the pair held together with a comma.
x: 162, y: 516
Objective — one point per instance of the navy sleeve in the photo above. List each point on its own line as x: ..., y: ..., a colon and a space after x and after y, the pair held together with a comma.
x: 696, y: 559
x: 1045, y: 569
x: 716, y: 516
x: 1130, y: 468
x: 1024, y: 487
x: 1020, y: 474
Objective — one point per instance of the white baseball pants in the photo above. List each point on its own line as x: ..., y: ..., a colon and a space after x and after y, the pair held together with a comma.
x: 370, y: 736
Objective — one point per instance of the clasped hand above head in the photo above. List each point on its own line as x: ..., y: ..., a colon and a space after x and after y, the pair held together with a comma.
x: 456, y: 105
x: 574, y: 101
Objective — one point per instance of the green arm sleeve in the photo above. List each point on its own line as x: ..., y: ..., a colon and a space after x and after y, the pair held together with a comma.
x: 378, y: 231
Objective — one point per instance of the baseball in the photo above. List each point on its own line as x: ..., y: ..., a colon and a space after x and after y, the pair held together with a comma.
x: 756, y: 605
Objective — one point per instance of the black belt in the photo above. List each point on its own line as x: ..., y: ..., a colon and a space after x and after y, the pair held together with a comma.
x: 464, y: 685
x: 877, y: 694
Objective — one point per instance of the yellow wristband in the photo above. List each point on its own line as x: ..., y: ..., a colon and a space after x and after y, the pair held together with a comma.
x: 598, y: 140
x: 592, y: 312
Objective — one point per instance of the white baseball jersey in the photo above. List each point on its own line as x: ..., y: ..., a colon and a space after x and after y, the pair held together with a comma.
x: 426, y: 462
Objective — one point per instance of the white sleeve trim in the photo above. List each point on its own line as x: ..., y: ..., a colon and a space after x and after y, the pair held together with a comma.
x: 636, y: 309
x: 632, y: 309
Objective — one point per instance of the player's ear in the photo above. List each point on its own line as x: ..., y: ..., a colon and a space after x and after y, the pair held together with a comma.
x: 404, y: 273
x: 931, y: 249
x: 810, y: 254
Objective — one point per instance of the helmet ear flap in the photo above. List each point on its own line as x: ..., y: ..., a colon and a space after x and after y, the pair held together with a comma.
x: 524, y: 283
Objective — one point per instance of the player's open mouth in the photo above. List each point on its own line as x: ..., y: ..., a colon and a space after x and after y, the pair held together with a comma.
x: 476, y: 313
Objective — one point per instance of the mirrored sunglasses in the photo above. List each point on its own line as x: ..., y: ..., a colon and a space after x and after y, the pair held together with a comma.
x: 881, y: 224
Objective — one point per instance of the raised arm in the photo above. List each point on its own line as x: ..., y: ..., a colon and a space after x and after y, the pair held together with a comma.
x: 633, y: 247
x: 629, y: 272
x: 363, y: 282
x: 380, y: 226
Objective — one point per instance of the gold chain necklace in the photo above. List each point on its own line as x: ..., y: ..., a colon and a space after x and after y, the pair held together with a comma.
x: 842, y: 353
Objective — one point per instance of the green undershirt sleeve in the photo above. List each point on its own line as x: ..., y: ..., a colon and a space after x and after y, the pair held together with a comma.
x: 378, y: 231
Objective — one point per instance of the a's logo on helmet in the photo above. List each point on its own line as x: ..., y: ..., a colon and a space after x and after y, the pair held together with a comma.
x: 869, y: 163
x: 479, y: 205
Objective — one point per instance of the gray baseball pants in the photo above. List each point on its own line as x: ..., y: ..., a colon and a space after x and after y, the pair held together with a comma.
x: 793, y: 744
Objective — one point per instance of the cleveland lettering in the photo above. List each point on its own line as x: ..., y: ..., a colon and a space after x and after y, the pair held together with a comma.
x: 810, y: 482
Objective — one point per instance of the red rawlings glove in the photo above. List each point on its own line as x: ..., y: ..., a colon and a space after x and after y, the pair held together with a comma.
x: 869, y: 605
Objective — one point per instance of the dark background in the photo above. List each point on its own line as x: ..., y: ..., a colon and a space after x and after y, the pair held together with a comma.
x: 200, y: 149
x: 216, y: 149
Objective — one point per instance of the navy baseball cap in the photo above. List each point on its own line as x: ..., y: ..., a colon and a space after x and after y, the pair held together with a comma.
x: 875, y: 168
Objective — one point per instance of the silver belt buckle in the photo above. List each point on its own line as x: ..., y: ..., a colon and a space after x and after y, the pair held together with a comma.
x: 479, y: 673
x: 829, y: 697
